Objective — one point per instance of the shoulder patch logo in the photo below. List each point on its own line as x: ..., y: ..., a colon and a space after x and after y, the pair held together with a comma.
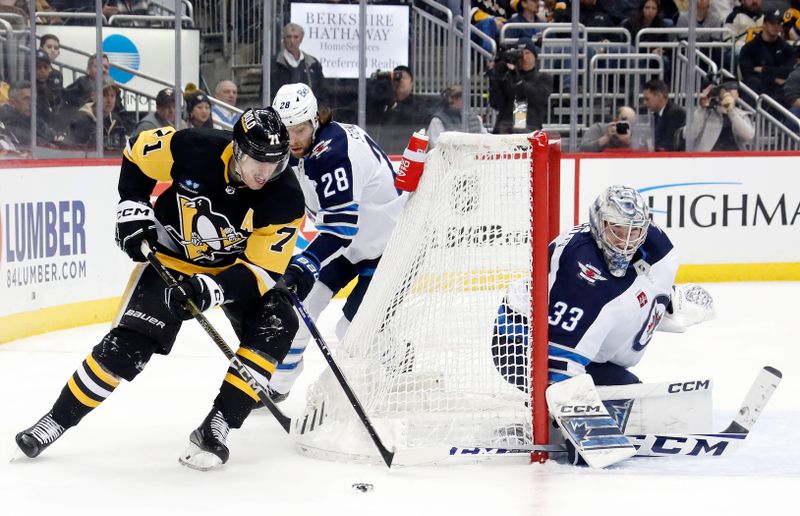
x: 590, y: 273
x: 642, y: 298
x: 320, y: 148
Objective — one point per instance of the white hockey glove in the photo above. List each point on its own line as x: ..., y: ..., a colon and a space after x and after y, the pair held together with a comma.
x: 200, y: 288
x: 691, y: 304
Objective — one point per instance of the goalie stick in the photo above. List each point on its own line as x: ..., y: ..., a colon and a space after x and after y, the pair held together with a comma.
x: 651, y: 445
x: 237, y: 364
x: 386, y: 454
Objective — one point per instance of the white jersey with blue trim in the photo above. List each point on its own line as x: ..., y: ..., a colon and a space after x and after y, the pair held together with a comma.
x: 597, y: 317
x: 348, y: 183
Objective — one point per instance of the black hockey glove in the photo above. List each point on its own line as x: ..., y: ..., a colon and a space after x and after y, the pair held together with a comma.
x: 136, y: 222
x: 200, y: 288
x: 299, y: 277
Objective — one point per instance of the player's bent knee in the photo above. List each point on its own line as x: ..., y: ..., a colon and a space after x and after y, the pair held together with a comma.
x: 271, y: 327
x: 124, y: 352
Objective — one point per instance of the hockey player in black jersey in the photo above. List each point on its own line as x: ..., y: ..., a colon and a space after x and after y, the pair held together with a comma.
x: 226, y: 227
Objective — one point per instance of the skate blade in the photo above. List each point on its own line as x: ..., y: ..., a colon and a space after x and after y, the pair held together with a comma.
x: 17, y: 455
x: 196, y: 458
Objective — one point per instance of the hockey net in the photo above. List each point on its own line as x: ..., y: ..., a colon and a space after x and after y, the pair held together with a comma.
x: 423, y: 354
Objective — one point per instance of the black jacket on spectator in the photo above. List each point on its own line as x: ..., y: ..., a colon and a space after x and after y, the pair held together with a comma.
x: 309, y: 72
x: 414, y: 111
x: 791, y: 90
x: 18, y: 128
x: 666, y: 127
x: 633, y: 27
x: 79, y: 92
x: 82, y: 129
x: 776, y: 58
x: 506, y: 85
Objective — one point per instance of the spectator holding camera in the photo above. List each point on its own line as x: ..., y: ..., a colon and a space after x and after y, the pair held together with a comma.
x: 717, y: 123
x: 403, y: 106
x: 617, y: 136
x: 518, y: 90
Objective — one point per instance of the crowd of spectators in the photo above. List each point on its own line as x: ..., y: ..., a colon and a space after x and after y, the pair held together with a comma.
x: 519, y: 92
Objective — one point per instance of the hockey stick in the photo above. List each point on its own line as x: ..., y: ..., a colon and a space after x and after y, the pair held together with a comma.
x: 386, y: 454
x: 650, y: 445
x: 244, y: 373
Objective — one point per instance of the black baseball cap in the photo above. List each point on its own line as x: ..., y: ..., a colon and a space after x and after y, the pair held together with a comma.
x: 165, y: 97
x: 528, y: 43
x: 773, y: 16
x: 41, y: 55
x: 404, y: 68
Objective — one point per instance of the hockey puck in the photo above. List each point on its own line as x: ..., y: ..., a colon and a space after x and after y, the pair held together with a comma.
x: 362, y: 487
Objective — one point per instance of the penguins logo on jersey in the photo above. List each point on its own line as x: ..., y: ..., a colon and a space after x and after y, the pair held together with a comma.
x: 203, y: 232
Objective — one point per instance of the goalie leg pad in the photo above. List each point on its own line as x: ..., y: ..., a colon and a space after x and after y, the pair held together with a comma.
x: 584, y: 421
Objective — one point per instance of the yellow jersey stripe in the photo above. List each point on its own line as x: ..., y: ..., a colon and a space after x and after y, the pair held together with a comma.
x: 271, y: 247
x: 257, y: 359
x: 226, y: 160
x: 151, y: 152
x: 241, y: 385
x: 76, y: 391
x: 101, y: 373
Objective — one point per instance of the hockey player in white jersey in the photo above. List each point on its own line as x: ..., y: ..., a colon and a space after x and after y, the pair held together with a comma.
x: 611, y: 282
x: 348, y: 183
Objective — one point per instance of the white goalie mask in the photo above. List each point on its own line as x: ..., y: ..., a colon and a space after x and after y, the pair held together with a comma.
x: 619, y: 219
x: 296, y: 103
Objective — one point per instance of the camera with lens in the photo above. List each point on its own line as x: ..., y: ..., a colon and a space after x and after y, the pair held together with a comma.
x: 715, y: 81
x: 510, y: 55
x: 379, y: 85
x: 623, y: 127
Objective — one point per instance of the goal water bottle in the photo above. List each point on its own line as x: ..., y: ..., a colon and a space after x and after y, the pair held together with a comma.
x: 413, y: 162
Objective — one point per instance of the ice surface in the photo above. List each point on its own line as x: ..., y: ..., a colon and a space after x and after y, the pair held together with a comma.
x: 122, y: 459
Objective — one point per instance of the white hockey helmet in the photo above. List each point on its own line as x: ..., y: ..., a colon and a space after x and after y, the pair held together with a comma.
x: 296, y: 104
x: 619, y: 219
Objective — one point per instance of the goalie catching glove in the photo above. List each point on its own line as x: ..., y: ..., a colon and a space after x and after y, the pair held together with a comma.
x: 136, y: 223
x: 690, y: 304
x: 202, y: 289
x: 299, y: 277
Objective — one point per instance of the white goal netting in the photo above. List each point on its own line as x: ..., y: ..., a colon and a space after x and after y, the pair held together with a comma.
x: 431, y: 354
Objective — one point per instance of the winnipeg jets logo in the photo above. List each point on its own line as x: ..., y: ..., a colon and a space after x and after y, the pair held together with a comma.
x: 619, y: 410
x: 590, y: 273
x: 204, y: 233
x: 320, y: 148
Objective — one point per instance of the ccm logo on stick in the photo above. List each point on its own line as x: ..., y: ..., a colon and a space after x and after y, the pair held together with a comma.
x: 698, y: 385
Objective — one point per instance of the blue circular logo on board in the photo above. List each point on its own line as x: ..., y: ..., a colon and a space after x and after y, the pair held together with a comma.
x: 120, y: 50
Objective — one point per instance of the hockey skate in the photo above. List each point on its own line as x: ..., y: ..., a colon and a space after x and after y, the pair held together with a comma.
x: 35, y: 439
x: 207, y: 449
